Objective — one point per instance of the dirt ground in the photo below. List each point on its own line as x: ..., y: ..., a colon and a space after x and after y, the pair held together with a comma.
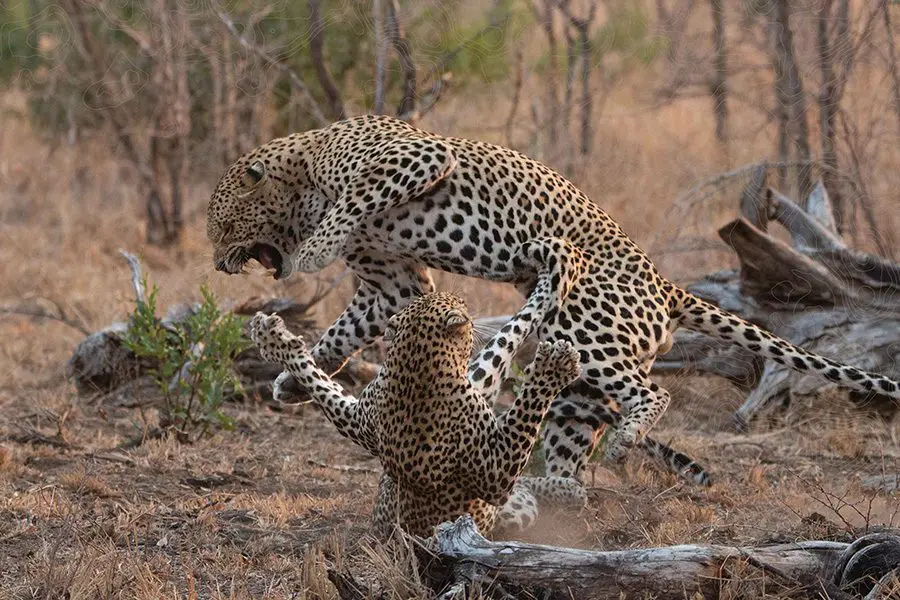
x: 260, y: 511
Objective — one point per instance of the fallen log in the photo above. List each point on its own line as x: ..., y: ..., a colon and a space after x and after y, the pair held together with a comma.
x: 101, y: 364
x: 458, y: 560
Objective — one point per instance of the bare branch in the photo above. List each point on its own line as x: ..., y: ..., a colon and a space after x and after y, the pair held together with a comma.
x: 137, y: 278
x: 440, y: 75
x: 892, y: 61
x: 295, y: 81
x: 850, y: 49
x: 864, y: 197
x: 56, y: 314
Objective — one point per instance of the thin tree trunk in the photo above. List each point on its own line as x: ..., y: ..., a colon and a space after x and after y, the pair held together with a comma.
x: 179, y: 155
x: 317, y: 52
x: 583, y: 27
x: 892, y: 60
x: 784, y: 48
x: 404, y: 54
x: 571, y: 63
x: 828, y: 106
x: 157, y: 221
x: 552, y: 118
x: 782, y: 101
x: 518, y: 80
x: 587, y: 98
x: 720, y: 76
x: 232, y: 144
x: 380, y: 56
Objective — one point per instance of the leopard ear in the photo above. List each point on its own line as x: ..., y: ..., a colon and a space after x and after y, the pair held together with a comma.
x: 456, y: 318
x: 254, y: 175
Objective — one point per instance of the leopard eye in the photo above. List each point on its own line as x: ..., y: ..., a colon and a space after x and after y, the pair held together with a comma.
x: 455, y: 318
x: 389, y: 333
x: 254, y: 174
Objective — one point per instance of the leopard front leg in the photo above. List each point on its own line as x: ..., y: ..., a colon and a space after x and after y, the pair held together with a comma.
x: 385, y: 288
x: 558, y: 265
x: 406, y: 168
x: 353, y: 418
x: 510, y: 444
x: 491, y: 365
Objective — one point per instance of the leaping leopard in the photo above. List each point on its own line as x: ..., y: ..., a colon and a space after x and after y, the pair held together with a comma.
x: 393, y: 200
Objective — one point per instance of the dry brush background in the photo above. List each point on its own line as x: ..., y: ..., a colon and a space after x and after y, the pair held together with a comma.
x: 116, y: 119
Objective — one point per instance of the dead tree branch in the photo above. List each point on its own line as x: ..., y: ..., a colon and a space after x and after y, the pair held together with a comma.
x: 296, y: 82
x: 137, y: 278
x: 54, y: 312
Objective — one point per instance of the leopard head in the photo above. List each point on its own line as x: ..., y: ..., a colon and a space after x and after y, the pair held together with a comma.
x: 434, y: 334
x: 265, y: 205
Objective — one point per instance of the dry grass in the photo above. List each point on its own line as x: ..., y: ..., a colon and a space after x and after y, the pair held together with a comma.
x: 252, y: 513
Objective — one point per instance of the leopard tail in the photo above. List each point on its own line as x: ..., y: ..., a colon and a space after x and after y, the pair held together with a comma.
x: 689, y: 311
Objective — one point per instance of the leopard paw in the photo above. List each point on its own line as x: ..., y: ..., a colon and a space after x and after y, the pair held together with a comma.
x: 557, y: 364
x: 623, y: 440
x: 275, y: 343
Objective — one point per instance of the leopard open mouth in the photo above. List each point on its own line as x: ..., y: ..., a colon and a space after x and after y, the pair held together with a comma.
x: 268, y: 256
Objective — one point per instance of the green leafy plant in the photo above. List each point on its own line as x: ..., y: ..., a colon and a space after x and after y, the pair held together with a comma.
x: 191, y: 362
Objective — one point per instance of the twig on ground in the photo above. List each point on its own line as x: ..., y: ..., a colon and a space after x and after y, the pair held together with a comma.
x: 32, y: 436
x: 342, y: 468
x: 35, y: 311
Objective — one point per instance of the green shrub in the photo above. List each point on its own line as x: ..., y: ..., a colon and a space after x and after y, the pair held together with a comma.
x: 193, y: 363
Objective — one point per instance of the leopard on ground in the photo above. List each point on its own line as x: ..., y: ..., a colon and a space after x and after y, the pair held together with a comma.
x: 392, y: 201
x: 431, y: 423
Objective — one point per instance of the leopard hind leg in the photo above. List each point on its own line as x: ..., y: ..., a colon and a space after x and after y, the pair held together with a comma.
x: 575, y: 425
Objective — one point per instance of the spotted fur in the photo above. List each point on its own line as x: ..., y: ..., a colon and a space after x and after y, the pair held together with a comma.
x: 444, y: 450
x: 393, y: 200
